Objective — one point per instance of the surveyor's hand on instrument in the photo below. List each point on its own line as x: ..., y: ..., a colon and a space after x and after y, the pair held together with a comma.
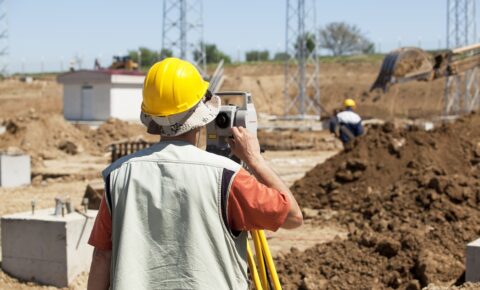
x: 245, y: 146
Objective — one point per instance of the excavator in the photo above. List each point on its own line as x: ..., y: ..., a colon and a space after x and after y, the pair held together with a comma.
x: 123, y: 62
x: 414, y: 64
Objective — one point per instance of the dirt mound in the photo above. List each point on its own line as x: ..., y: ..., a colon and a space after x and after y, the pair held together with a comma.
x: 114, y: 130
x: 50, y: 136
x: 17, y: 97
x: 43, y: 136
x: 411, y: 201
x: 340, y: 80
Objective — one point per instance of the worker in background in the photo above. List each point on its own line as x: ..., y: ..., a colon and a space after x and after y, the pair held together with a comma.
x: 175, y: 216
x: 346, y: 124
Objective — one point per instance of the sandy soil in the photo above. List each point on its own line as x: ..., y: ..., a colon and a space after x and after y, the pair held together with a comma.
x: 32, y: 115
x: 337, y: 82
x: 410, y: 200
x: 290, y: 165
x: 266, y: 83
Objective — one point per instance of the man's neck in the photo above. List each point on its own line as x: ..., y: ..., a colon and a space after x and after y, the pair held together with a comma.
x: 189, y: 137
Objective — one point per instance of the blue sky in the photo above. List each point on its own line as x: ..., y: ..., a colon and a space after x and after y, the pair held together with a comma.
x: 49, y: 31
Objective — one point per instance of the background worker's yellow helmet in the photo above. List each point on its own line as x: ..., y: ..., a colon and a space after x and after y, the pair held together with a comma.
x: 175, y: 99
x: 172, y: 86
x: 349, y: 103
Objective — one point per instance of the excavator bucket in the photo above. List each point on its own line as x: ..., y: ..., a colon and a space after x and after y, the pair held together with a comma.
x: 404, y: 64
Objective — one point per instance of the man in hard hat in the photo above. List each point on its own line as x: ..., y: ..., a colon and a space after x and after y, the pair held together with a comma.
x: 175, y: 216
x: 346, y: 124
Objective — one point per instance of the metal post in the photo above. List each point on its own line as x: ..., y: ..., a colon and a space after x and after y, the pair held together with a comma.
x: 301, y: 55
x: 461, y: 91
x: 302, y: 89
x: 3, y: 38
x: 183, y: 29
x: 182, y: 32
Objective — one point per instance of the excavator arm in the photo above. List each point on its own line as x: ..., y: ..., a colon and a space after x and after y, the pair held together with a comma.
x: 414, y: 64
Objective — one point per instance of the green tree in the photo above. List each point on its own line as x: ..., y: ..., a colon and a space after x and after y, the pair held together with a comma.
x: 164, y: 53
x: 148, y: 56
x: 368, y: 47
x: 342, y: 38
x: 212, y: 54
x: 309, y: 39
x: 257, y: 55
x: 281, y: 56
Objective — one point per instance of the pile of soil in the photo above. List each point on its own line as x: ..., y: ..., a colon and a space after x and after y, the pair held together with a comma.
x: 43, y: 136
x: 114, y: 130
x: 413, y: 60
x: 410, y: 200
x: 50, y: 136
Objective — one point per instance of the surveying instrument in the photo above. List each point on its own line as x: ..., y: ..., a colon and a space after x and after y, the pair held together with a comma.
x: 218, y: 133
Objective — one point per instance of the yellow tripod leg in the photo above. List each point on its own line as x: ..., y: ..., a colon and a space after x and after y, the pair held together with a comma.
x: 260, y: 262
x: 253, y: 268
x: 268, y: 258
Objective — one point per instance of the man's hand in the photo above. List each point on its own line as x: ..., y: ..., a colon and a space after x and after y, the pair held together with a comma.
x: 245, y: 146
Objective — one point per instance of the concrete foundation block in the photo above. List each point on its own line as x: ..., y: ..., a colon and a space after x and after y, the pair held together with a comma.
x: 14, y: 170
x: 472, y: 271
x: 45, y: 248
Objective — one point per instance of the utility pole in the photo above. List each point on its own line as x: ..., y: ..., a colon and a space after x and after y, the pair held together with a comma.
x: 461, y: 91
x: 302, y: 69
x: 3, y: 38
x: 182, y: 32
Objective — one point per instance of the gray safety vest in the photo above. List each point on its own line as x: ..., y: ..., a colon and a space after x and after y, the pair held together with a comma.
x: 169, y: 228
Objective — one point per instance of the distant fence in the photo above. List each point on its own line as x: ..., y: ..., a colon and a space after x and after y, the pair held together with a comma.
x: 125, y: 148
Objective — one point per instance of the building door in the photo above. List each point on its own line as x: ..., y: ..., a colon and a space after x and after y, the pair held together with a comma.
x: 87, y: 103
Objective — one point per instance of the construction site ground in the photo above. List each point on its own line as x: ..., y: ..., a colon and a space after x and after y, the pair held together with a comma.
x: 367, y: 221
x: 290, y: 165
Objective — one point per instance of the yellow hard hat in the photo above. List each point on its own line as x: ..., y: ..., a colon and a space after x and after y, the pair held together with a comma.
x: 172, y: 86
x: 349, y: 103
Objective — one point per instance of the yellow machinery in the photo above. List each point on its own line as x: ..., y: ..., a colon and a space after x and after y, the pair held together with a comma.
x: 409, y: 64
x: 123, y: 62
x: 264, y: 273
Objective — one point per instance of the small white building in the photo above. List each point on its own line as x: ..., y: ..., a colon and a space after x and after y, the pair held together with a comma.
x: 96, y: 95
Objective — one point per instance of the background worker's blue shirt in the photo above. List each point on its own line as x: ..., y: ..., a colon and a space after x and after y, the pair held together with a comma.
x: 351, y: 121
